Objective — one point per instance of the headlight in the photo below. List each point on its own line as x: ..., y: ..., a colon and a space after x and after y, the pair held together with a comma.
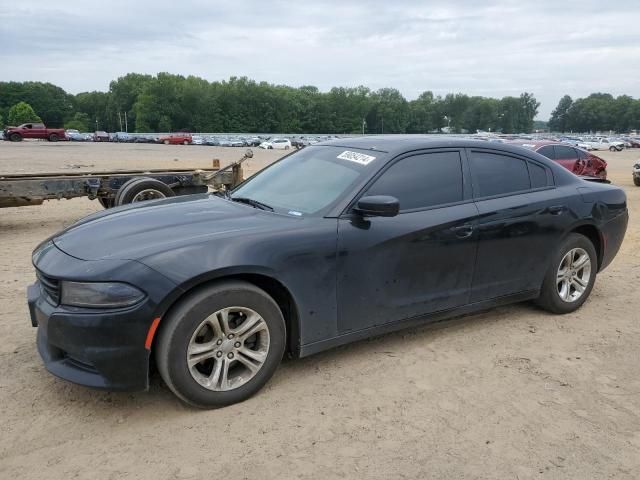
x: 100, y: 294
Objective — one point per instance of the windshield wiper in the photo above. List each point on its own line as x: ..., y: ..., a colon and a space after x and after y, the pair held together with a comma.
x: 252, y: 202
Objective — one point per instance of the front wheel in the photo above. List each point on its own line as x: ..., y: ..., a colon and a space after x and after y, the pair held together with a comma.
x: 613, y: 149
x: 186, y: 142
x: 221, y: 344
x: 15, y: 137
x: 571, y: 275
x: 636, y: 181
x: 53, y: 137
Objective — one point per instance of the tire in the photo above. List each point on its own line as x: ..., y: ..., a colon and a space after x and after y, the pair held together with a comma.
x: 149, y: 187
x: 613, y: 149
x: 179, y: 328
x: 186, y: 142
x: 636, y: 181
x: 15, y: 137
x: 53, y: 137
x: 286, y: 147
x: 106, y: 202
x: 166, y: 142
x: 550, y: 297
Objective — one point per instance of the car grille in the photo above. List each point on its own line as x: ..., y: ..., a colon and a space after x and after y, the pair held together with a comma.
x: 50, y: 287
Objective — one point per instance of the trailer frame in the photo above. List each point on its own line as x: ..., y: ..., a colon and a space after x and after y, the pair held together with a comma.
x: 18, y: 190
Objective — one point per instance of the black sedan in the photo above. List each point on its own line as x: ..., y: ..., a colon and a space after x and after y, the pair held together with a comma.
x: 333, y: 243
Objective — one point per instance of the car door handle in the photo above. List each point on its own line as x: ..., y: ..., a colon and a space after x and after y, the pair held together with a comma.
x: 556, y: 209
x: 463, y: 231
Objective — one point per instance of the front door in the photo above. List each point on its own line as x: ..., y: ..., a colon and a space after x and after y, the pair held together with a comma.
x: 418, y: 262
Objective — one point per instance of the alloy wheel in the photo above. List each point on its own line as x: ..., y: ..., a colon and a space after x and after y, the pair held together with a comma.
x: 228, y: 348
x: 573, y: 274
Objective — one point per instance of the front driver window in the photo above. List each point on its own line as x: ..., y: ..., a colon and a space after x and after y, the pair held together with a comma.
x: 422, y: 181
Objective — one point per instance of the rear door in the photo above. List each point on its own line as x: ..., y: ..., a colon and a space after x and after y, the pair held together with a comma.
x: 567, y: 157
x: 521, y: 218
x: 418, y: 262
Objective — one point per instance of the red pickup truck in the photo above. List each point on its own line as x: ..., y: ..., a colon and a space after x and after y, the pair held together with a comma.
x: 33, y: 130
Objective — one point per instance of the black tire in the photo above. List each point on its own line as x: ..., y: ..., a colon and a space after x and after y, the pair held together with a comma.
x: 53, y: 137
x: 15, y: 137
x: 178, y: 327
x: 106, y: 202
x: 636, y: 181
x: 612, y: 149
x: 133, y: 187
x: 550, y: 299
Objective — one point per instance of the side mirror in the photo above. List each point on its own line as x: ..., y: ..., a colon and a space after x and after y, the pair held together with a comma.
x: 378, y: 206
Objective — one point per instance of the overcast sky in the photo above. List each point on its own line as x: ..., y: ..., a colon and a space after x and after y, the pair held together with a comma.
x: 492, y: 48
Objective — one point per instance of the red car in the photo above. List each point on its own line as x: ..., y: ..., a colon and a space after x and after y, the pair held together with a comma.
x: 573, y: 159
x: 176, y: 139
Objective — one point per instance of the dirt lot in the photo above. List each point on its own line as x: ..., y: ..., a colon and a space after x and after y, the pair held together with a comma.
x: 513, y: 393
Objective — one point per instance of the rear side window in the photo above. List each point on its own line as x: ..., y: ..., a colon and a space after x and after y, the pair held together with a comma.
x: 547, y: 151
x: 496, y: 174
x: 422, y: 181
x: 538, y: 175
x: 565, y: 153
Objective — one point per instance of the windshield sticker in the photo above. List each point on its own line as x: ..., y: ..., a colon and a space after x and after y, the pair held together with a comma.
x: 360, y: 158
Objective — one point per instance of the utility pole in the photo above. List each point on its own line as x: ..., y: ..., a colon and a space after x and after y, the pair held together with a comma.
x: 126, y: 127
x: 96, y: 124
x: 364, y: 123
x: 120, y: 121
x: 382, y: 115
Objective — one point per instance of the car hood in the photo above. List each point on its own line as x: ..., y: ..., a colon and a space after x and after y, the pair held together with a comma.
x: 136, y: 231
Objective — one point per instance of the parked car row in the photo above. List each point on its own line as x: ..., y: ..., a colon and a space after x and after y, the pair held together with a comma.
x: 183, y: 138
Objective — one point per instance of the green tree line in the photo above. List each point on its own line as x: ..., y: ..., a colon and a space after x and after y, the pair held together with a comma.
x: 167, y: 102
x: 597, y: 112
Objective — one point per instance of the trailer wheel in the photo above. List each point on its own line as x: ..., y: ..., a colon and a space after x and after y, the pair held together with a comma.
x: 141, y: 189
x: 15, y: 137
x: 53, y: 137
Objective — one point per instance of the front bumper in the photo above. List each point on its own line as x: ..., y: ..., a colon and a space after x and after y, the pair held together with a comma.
x: 100, y: 348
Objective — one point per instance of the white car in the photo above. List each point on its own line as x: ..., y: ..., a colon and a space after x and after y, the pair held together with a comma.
x: 604, y: 144
x: 610, y: 144
x: 276, y: 144
x: 197, y: 140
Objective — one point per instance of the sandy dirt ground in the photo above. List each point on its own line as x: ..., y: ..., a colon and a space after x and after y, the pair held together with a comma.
x: 513, y: 393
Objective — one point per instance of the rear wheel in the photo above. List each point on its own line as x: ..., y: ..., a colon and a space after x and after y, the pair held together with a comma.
x: 571, y: 275
x: 53, y: 137
x: 221, y: 344
x: 186, y: 142
x: 636, y: 181
x: 141, y: 189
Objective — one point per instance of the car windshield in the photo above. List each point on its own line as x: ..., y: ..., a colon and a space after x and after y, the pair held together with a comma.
x: 308, y: 181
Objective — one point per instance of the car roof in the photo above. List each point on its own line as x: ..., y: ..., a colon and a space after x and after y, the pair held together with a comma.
x: 396, y: 144
x: 534, y: 144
